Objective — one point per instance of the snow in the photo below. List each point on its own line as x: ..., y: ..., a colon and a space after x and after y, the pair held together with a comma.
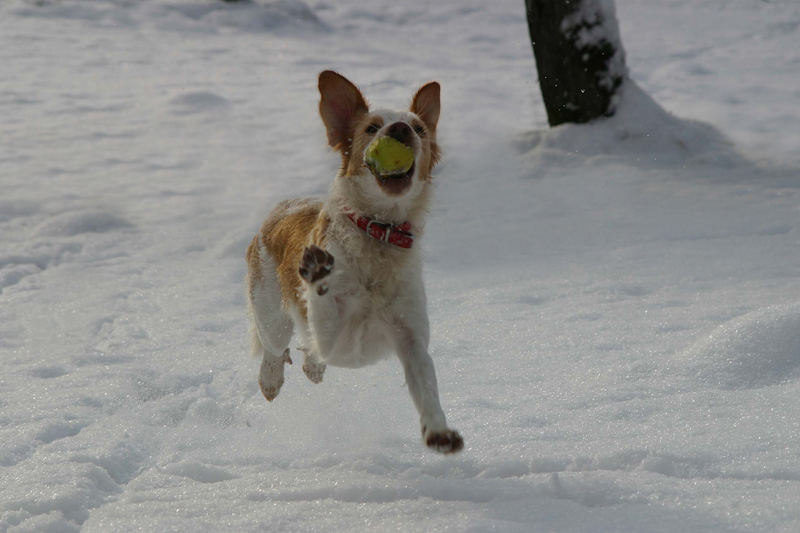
x: 614, y: 306
x: 594, y: 25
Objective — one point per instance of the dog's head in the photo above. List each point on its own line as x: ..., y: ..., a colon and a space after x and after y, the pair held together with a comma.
x: 354, y: 130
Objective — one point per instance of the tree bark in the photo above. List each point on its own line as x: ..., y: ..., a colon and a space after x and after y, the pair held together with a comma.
x: 579, y: 57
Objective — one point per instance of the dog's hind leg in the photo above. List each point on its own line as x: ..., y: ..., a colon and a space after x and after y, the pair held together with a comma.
x: 271, y: 325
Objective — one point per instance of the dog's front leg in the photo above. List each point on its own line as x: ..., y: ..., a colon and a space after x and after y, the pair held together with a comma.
x: 420, y: 375
x: 324, y: 301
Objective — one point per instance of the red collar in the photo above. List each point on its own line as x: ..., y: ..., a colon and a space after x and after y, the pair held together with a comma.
x: 399, y: 234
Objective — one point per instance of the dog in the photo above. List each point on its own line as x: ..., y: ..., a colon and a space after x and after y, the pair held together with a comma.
x: 345, y: 272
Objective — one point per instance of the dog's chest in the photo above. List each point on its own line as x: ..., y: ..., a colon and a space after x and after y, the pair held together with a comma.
x: 380, y: 272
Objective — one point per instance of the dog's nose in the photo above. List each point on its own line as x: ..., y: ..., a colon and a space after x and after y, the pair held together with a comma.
x: 400, y: 131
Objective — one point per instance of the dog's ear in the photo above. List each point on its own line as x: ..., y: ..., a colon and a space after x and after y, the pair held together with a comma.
x: 426, y: 104
x: 340, y: 105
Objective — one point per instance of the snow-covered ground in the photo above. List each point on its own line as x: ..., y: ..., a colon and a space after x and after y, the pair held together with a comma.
x: 615, y: 308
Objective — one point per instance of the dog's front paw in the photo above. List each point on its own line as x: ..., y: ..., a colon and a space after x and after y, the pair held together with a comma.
x: 443, y: 441
x: 315, y: 265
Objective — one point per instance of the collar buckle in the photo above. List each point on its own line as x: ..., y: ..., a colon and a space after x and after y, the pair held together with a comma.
x: 385, y: 228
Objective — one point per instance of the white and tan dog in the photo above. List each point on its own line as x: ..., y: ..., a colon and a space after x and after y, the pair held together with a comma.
x: 345, y: 272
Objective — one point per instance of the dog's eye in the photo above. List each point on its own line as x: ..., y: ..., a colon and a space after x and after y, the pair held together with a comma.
x: 373, y: 128
x: 420, y: 130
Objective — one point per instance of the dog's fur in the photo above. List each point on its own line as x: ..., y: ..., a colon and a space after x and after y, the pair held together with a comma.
x: 350, y: 297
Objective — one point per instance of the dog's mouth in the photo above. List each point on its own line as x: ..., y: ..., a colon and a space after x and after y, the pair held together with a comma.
x: 392, y: 159
x: 395, y: 184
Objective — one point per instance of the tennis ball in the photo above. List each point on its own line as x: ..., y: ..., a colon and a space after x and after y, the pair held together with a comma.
x: 387, y: 156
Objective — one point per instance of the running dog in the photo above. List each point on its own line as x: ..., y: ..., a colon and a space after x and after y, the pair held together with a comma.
x: 345, y: 272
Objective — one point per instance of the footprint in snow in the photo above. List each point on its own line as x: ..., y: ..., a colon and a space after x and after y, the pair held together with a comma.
x: 59, y: 430
x: 78, y: 222
x: 199, y: 472
x: 198, y: 102
x: 49, y: 372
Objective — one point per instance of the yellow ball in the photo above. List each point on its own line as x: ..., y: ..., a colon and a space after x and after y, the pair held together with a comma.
x: 387, y: 156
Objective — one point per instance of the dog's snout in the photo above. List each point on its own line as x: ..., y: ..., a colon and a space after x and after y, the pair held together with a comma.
x: 400, y: 131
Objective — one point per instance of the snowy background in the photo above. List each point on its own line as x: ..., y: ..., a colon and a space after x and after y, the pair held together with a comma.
x: 615, y: 308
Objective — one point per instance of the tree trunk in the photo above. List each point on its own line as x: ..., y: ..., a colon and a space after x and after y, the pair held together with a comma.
x: 579, y: 57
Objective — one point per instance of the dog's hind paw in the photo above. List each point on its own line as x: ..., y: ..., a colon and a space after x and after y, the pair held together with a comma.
x: 443, y: 441
x: 314, y: 371
x: 270, y: 376
x: 315, y: 265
